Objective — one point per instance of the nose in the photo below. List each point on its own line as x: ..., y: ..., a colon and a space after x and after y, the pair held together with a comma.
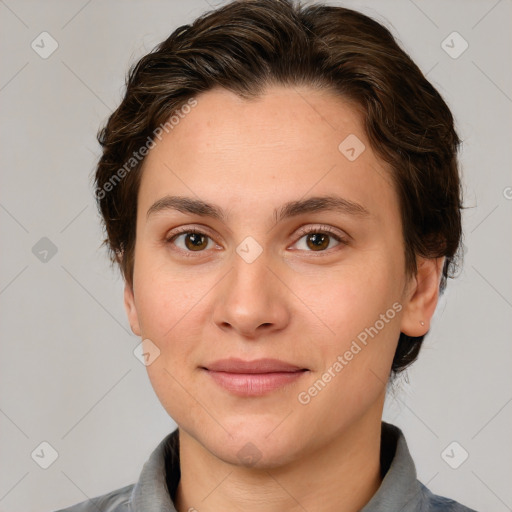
x: 251, y: 301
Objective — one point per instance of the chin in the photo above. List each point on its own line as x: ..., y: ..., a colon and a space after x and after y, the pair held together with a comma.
x: 258, y: 453
x: 252, y: 441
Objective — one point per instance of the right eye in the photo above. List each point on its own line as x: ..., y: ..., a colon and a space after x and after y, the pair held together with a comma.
x: 191, y: 241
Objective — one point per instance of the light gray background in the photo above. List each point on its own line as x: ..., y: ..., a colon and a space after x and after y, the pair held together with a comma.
x: 68, y: 375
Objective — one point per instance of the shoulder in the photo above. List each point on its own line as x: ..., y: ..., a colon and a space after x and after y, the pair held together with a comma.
x: 400, y: 489
x: 114, y: 501
x: 150, y: 492
x: 433, y: 503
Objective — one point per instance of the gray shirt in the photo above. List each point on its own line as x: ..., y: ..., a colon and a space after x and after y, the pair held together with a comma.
x: 399, y: 491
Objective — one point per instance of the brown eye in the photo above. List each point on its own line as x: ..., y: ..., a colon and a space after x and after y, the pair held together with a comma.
x: 318, y: 241
x: 196, y: 241
x: 191, y: 241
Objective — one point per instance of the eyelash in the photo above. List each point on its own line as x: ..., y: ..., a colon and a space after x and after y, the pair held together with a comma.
x: 321, y: 230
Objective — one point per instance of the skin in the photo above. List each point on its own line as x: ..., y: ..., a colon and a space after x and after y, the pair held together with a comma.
x: 294, y: 302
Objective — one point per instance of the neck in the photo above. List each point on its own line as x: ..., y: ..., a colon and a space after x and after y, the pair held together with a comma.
x: 342, y: 475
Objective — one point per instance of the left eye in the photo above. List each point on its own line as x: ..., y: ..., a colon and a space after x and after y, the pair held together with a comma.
x: 318, y: 241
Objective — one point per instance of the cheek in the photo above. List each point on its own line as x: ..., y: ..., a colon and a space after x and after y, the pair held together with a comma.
x: 163, y: 296
x: 173, y: 309
x: 171, y: 315
x: 348, y: 299
x: 363, y: 318
x: 360, y: 310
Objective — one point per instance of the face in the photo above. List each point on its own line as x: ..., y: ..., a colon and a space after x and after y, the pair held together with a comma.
x: 269, y: 273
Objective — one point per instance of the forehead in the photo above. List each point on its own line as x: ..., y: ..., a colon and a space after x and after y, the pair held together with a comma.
x: 278, y: 120
x: 284, y: 143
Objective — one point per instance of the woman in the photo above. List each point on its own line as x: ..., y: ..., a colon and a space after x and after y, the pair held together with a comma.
x: 280, y: 189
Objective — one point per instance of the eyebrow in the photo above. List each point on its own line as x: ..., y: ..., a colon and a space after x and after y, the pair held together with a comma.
x: 288, y: 210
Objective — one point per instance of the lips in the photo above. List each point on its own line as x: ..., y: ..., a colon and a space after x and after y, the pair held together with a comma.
x: 257, y: 366
x: 253, y: 378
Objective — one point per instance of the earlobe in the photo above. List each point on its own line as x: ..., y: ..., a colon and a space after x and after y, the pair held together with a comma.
x: 422, y: 296
x: 131, y: 310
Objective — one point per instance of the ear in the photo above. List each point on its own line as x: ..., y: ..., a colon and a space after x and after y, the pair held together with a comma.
x: 421, y: 297
x: 131, y: 310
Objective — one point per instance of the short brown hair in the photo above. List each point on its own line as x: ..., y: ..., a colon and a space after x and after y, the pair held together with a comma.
x: 247, y: 45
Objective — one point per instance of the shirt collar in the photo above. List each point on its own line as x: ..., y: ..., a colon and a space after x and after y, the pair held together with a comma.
x: 151, y: 492
x: 399, y: 491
